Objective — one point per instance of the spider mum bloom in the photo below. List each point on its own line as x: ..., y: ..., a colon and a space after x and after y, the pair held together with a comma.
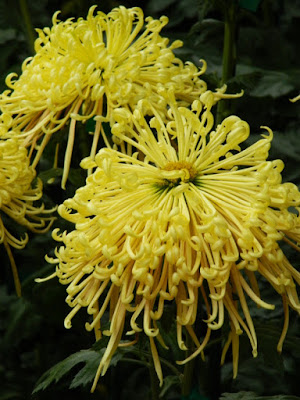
x: 183, y: 213
x: 88, y: 67
x: 17, y: 195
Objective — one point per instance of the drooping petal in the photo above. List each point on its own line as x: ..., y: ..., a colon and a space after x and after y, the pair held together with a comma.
x: 183, y: 213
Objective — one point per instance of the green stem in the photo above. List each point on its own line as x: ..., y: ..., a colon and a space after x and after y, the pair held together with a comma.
x: 229, y: 54
x: 171, y: 367
x: 13, y: 268
x: 133, y: 361
x: 187, y: 381
x: 223, y: 110
x: 165, y: 362
x: 28, y: 25
x: 229, y: 49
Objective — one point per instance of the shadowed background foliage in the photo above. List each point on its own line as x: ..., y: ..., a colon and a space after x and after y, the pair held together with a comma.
x: 32, y: 336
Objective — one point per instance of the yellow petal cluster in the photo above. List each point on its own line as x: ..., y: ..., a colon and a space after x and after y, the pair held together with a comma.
x: 17, y: 196
x: 183, y: 212
x: 295, y: 98
x: 88, y: 67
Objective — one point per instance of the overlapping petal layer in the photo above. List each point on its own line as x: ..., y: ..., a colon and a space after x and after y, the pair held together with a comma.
x: 88, y: 67
x: 17, y: 196
x: 183, y: 212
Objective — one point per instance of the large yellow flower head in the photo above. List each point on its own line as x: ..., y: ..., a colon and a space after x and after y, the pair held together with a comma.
x: 17, y: 195
x: 181, y: 213
x: 88, y: 67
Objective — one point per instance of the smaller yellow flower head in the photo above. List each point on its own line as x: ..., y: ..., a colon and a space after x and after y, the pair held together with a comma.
x: 88, y: 67
x: 17, y: 196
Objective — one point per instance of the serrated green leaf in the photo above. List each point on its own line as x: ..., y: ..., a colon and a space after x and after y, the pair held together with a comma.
x: 87, y: 373
x: 273, y: 84
x: 59, y: 370
x: 246, y: 81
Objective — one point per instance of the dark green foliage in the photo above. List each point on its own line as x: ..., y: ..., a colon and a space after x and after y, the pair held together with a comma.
x: 84, y: 376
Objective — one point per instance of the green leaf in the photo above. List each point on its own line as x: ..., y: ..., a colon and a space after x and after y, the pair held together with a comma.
x: 20, y: 308
x: 7, y: 35
x: 10, y: 395
x: 287, y: 148
x: 45, y: 176
x: 246, y: 81
x: 273, y: 84
x: 87, y: 373
x: 77, y: 177
x: 271, y: 333
x: 159, y: 5
x: 53, y: 375
x: 204, y: 7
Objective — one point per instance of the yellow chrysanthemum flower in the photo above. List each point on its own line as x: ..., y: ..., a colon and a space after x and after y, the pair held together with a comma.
x: 88, y: 67
x: 16, y: 198
x: 186, y: 213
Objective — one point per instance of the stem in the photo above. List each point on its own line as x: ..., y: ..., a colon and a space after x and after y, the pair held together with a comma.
x: 133, y: 361
x: 187, y: 381
x: 229, y: 54
x: 163, y: 361
x: 28, y: 25
x: 229, y: 49
x: 223, y: 110
x: 13, y: 268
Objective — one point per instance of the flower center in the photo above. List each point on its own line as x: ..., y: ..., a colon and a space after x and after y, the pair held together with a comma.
x: 181, y: 165
x: 178, y: 171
